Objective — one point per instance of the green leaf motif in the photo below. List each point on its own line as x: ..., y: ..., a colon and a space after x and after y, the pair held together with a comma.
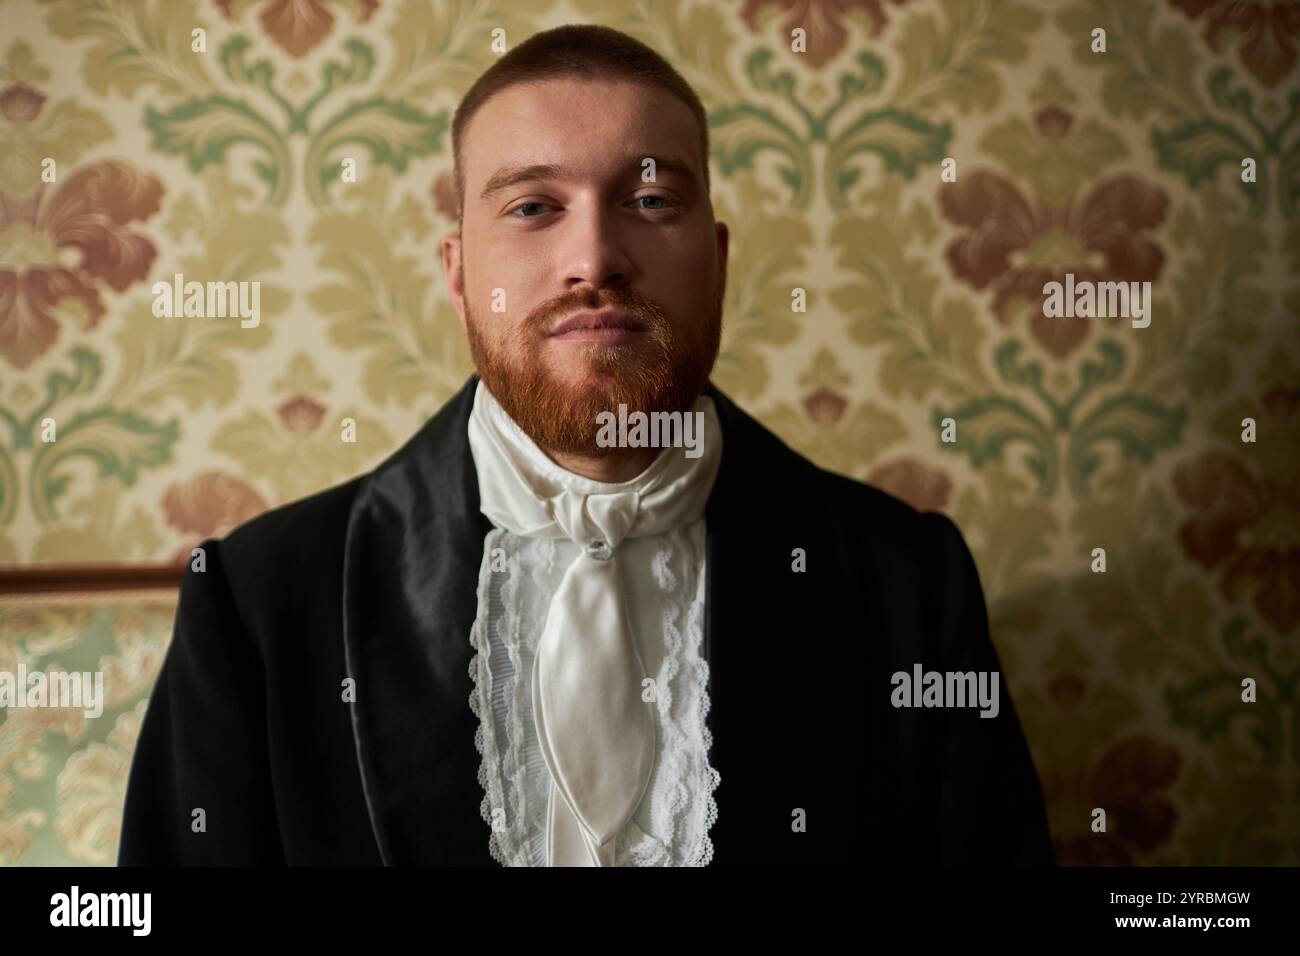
x: 873, y: 76
x: 903, y: 140
x: 1138, y: 425
x: 391, y: 132
x: 59, y: 385
x: 1238, y: 101
x: 118, y: 442
x: 1208, y: 703
x: 361, y: 62
x: 260, y: 74
x: 86, y: 371
x: 1030, y: 375
x: 986, y: 425
x: 738, y: 133
x: 1198, y: 149
x: 203, y: 130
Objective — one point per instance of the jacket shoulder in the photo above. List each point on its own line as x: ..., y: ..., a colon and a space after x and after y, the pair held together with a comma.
x: 897, y: 531
x: 886, y: 513
x: 857, y: 512
x: 297, y: 530
x: 287, y: 563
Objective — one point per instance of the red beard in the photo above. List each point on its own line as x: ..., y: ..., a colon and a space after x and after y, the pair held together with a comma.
x: 666, y: 372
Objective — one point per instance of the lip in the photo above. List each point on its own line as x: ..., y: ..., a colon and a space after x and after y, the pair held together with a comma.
x: 602, y: 324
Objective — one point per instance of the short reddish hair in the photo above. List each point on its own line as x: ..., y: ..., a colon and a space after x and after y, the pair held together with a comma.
x: 582, y: 50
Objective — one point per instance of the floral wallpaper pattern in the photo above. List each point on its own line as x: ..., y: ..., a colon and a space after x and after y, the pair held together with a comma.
x: 924, y: 304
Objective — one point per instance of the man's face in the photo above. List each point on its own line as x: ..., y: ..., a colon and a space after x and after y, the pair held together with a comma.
x: 588, y: 236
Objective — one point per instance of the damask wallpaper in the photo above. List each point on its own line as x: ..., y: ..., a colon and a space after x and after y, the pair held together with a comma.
x: 921, y: 169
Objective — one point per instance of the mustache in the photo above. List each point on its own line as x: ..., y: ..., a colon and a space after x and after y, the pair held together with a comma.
x: 541, y: 318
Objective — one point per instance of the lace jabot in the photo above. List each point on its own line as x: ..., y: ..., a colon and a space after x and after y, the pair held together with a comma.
x: 664, y: 589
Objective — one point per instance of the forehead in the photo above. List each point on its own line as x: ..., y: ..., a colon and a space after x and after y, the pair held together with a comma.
x: 587, y: 125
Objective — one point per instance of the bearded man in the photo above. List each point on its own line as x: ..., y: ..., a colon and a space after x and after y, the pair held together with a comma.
x: 518, y: 641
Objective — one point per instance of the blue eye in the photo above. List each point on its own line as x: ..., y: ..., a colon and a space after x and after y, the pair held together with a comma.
x: 663, y: 199
x: 524, y: 204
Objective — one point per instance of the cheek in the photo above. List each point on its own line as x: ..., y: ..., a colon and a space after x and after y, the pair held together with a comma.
x: 682, y: 284
x: 499, y: 307
x: 690, y: 263
x: 505, y: 296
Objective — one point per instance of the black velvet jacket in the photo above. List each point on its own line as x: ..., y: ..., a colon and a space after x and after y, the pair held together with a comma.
x: 375, y: 579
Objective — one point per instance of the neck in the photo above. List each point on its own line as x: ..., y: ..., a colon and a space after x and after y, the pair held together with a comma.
x: 611, y: 469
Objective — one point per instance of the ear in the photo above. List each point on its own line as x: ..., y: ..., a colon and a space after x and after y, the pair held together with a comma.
x: 724, y: 243
x: 452, y: 267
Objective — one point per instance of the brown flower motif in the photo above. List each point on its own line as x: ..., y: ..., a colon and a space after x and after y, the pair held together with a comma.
x: 822, y: 21
x: 1128, y: 782
x: 444, y: 196
x: 1248, y: 528
x: 922, y: 487
x: 1099, y: 238
x: 20, y: 103
x: 1067, y: 689
x: 1265, y: 32
x: 85, y: 214
x: 209, y: 505
x: 300, y: 414
x: 1053, y: 121
x: 1282, y: 401
x: 298, y: 26
x: 825, y: 406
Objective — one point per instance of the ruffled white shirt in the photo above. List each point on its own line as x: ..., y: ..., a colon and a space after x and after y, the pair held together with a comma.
x: 664, y: 590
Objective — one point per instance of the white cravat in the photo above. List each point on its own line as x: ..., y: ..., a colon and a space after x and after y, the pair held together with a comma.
x: 596, y: 734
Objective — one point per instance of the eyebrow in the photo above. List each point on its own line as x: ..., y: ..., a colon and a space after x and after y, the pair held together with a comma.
x: 508, y: 176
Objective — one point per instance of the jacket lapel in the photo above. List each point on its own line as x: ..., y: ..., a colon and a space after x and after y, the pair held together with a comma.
x: 415, y: 540
x: 758, y: 615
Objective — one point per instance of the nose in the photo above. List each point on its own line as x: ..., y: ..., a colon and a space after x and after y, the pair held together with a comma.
x: 592, y: 251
